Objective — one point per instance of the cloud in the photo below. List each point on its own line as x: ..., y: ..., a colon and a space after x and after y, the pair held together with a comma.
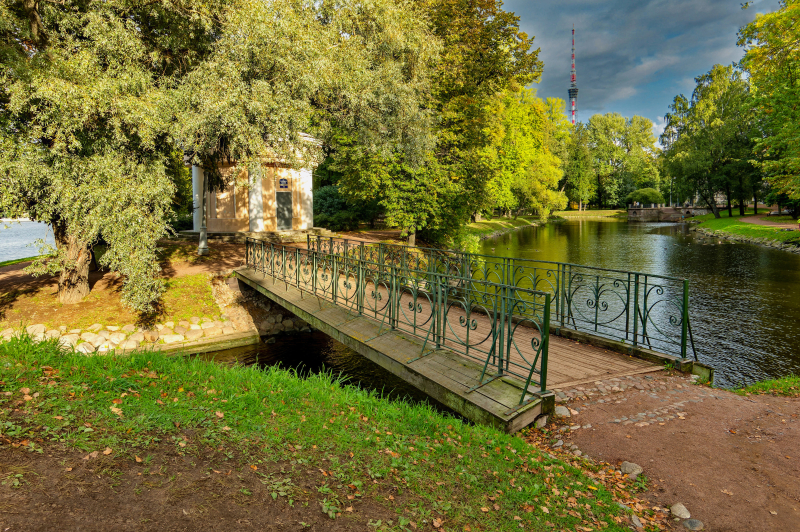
x: 632, y: 57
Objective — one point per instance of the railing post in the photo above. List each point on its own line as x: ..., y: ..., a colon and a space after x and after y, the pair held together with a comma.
x: 684, y: 317
x: 297, y: 267
x: 545, y: 343
x: 563, y: 294
x: 314, y: 272
x: 628, y: 308
x: 393, y: 297
x: 334, y: 278
x: 501, y: 351
x: 636, y: 310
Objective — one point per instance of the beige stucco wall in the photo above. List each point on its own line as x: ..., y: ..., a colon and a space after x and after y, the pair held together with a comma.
x: 227, y: 211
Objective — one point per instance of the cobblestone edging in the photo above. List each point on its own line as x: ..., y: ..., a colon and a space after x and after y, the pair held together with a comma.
x: 239, y: 313
x: 766, y: 242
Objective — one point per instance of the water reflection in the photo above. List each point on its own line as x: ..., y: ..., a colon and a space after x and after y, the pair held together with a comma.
x: 745, y: 299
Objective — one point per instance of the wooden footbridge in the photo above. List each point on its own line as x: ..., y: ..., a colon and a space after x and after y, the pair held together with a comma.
x: 491, y: 351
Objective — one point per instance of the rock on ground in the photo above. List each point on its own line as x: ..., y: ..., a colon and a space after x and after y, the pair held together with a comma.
x: 629, y: 468
x: 35, y: 329
x: 693, y: 524
x: 172, y: 338
x: 562, y: 411
x: 194, y: 334
x: 679, y: 510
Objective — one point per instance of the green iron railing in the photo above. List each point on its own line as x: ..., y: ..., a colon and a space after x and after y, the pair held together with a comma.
x: 639, y: 309
x: 503, y: 328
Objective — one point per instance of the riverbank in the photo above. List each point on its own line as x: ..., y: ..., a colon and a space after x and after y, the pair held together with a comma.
x: 493, y: 227
x: 593, y: 213
x: 148, y: 442
x: 736, y: 229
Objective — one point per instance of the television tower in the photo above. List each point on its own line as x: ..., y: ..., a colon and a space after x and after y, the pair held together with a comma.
x: 573, y: 85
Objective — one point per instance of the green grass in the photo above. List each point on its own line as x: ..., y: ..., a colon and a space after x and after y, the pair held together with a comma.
x: 16, y: 261
x: 445, y: 468
x: 735, y: 226
x: 494, y: 225
x: 785, y: 387
x: 593, y: 213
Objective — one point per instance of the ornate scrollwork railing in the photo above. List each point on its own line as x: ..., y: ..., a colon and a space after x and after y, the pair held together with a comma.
x: 503, y: 328
x: 640, y: 309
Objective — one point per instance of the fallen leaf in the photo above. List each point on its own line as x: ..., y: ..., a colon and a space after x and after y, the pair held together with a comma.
x: 348, y: 509
x: 27, y: 397
x: 60, y: 418
x: 25, y: 391
x: 773, y: 512
x: 182, y: 443
x: 138, y: 459
x: 254, y: 467
x: 496, y: 506
x: 117, y: 401
x: 437, y: 523
x: 517, y: 518
x: 726, y: 492
x: 484, y: 509
x: 68, y: 469
x: 226, y: 428
x: 220, y: 415
x: 545, y: 509
x: 116, y: 410
x: 93, y: 454
x: 107, y: 451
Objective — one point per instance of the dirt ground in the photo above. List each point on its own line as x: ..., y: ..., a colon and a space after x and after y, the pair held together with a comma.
x: 34, y: 298
x: 764, y: 220
x: 166, y: 491
x: 733, y: 461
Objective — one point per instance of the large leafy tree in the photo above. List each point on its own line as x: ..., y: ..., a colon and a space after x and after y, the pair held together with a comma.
x: 772, y: 61
x: 708, y: 138
x: 624, y: 155
x: 98, y: 95
x: 484, y: 55
x: 579, y: 174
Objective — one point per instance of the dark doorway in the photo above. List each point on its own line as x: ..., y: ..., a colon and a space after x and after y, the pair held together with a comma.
x: 283, y: 201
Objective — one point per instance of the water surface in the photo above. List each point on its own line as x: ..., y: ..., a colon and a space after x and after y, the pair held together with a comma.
x: 17, y: 239
x: 744, y: 299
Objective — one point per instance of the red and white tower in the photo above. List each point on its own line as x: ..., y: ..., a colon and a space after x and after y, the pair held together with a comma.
x: 573, y: 84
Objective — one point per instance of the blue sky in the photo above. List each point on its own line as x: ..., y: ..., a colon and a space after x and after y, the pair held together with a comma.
x: 632, y: 57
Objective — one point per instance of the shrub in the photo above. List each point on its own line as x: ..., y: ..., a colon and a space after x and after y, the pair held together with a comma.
x: 645, y: 196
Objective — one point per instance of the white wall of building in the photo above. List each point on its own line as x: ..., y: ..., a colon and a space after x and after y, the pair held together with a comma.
x: 197, y: 193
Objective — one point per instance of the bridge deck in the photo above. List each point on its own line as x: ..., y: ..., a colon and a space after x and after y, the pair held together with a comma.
x: 446, y: 376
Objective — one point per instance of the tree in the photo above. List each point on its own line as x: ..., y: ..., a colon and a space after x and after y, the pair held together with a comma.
x: 707, y: 139
x: 624, y: 154
x: 772, y: 61
x: 98, y: 96
x: 645, y: 196
x: 579, y: 174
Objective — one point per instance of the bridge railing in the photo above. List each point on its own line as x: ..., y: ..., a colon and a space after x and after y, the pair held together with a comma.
x: 503, y: 328
x: 643, y: 310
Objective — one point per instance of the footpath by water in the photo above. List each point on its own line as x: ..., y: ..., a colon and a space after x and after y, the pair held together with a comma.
x: 17, y: 239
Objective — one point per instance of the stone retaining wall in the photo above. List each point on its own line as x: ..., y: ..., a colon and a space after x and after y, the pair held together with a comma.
x: 766, y: 242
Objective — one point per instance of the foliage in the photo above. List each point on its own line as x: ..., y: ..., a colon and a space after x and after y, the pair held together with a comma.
x: 579, y: 174
x: 708, y: 139
x: 331, y: 210
x: 527, y: 173
x: 98, y: 96
x: 130, y: 405
x: 624, y: 154
x: 484, y: 55
x: 772, y: 61
x: 645, y: 196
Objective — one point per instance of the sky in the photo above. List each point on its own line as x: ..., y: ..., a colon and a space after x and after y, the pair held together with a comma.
x: 632, y: 57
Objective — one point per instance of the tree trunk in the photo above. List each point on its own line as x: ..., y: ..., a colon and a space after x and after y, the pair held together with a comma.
x: 728, y: 196
x: 755, y: 200
x: 73, y: 283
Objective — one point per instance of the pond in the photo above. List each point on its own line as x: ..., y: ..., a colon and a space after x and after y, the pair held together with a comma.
x: 744, y: 299
x: 17, y: 239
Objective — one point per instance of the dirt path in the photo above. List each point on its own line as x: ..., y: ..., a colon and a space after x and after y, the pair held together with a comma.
x: 762, y: 220
x: 733, y: 461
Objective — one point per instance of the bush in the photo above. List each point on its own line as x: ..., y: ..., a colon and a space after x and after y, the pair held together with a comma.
x: 182, y: 222
x: 340, y: 221
x: 332, y: 211
x: 645, y: 196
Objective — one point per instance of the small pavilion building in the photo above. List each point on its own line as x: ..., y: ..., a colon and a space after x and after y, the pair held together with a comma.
x: 280, y: 199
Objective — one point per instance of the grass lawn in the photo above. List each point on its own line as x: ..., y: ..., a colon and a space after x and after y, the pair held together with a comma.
x: 332, y: 451
x: 735, y: 226
x: 604, y: 213
x: 15, y: 261
x: 786, y: 387
x: 493, y: 225
x: 184, y: 298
